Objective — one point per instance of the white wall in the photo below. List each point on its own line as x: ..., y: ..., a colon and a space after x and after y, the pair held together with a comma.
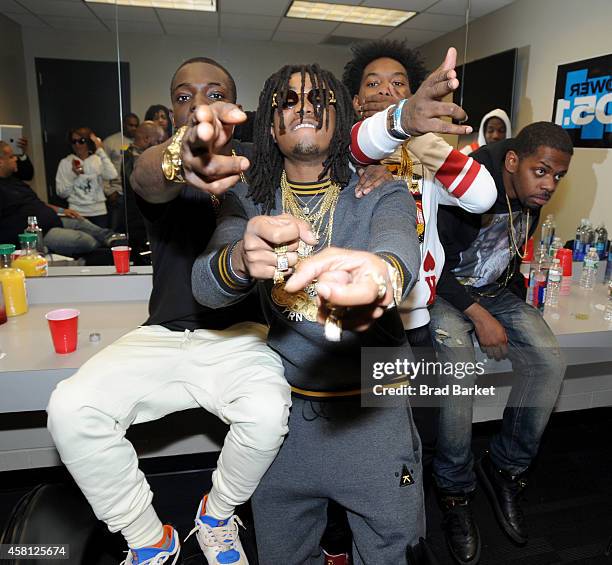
x: 548, y: 33
x: 13, y: 102
x: 154, y: 58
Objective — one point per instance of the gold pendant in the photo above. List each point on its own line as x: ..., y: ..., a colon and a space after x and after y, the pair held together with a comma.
x: 302, y: 303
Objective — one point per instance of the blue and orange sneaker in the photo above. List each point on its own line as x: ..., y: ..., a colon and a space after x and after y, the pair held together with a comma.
x: 167, y: 551
x: 218, y: 539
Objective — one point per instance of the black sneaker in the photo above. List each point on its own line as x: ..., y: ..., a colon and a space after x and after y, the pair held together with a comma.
x: 460, y: 528
x: 503, y: 491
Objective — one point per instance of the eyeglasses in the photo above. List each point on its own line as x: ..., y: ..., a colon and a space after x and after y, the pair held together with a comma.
x: 316, y: 97
x: 80, y: 140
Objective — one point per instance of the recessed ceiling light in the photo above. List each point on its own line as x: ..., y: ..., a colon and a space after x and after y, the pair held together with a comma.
x: 349, y: 14
x: 196, y: 5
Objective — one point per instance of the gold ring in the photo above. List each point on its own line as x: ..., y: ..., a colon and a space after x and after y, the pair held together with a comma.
x: 282, y: 262
x: 278, y: 277
x: 281, y: 249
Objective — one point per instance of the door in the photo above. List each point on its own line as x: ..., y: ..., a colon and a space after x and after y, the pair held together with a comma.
x: 74, y: 94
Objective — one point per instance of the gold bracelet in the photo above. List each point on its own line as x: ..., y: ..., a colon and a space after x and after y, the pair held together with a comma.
x: 172, y: 162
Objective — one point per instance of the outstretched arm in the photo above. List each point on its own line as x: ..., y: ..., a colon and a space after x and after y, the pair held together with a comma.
x: 205, y: 153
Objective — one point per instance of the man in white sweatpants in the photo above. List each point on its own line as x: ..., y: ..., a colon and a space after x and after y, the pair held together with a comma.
x: 185, y: 356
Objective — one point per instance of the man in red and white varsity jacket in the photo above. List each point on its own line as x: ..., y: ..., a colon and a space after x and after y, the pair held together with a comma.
x: 448, y: 178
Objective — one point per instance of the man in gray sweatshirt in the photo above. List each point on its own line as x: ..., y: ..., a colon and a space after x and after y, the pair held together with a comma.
x: 299, y: 200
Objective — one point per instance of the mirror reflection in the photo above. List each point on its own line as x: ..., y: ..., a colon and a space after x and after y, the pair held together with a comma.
x: 73, y: 104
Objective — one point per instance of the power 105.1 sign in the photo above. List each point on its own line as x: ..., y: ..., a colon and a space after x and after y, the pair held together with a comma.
x: 583, y: 101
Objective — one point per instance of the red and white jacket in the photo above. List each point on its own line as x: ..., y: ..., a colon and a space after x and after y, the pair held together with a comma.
x: 449, y: 178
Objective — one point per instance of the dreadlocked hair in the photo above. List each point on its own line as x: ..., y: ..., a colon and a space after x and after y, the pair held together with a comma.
x: 268, y: 162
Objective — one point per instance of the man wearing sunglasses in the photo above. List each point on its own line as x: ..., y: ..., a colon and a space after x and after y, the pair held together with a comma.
x: 300, y: 202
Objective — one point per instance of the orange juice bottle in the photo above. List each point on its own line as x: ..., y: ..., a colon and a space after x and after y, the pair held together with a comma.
x: 31, y: 262
x: 13, y: 283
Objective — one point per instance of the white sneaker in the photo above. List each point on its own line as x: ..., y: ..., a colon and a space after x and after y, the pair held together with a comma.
x: 218, y: 539
x: 156, y: 555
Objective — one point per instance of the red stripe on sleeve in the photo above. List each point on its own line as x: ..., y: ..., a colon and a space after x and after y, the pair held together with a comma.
x: 356, y: 151
x: 451, y: 168
x: 467, y: 180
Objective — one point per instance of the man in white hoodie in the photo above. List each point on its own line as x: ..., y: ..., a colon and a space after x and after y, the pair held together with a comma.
x: 494, y: 126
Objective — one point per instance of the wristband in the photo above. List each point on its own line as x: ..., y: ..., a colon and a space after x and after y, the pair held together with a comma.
x: 394, y: 125
x: 59, y: 211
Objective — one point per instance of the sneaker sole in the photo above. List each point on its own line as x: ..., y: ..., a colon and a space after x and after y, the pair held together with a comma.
x: 501, y: 519
x: 475, y: 559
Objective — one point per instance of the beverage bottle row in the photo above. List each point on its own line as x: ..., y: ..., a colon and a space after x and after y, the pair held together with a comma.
x: 587, y: 237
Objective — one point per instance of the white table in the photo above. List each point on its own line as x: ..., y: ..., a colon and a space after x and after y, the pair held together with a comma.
x: 115, y: 305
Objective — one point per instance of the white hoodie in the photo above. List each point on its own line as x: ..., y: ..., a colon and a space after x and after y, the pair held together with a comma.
x: 85, y: 192
x: 497, y: 113
x: 448, y: 178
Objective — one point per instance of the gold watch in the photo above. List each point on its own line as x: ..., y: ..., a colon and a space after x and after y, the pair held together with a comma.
x: 172, y: 163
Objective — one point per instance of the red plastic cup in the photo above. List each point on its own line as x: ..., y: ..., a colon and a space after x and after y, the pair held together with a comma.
x: 565, y: 258
x: 64, y: 325
x: 121, y: 257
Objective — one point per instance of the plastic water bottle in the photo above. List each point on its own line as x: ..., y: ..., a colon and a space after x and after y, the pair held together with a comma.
x: 608, y: 313
x: 548, y: 232
x: 556, y: 245
x: 33, y: 227
x: 608, y: 275
x: 578, y: 247
x: 601, y: 240
x: 538, y: 276
x: 589, y: 269
x: 554, y: 283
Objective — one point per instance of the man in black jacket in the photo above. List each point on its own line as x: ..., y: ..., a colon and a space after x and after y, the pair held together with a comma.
x: 475, y: 296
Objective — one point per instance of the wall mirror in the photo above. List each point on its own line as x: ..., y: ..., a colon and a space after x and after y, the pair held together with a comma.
x: 93, y: 63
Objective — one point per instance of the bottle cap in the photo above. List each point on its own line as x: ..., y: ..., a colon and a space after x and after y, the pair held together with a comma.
x: 7, y: 249
x: 27, y: 237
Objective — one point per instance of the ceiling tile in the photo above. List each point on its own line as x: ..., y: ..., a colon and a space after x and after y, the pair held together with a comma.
x: 349, y: 2
x: 414, y: 37
x: 28, y: 20
x: 79, y: 24
x: 406, y: 5
x: 135, y: 27
x: 361, y: 31
x: 435, y: 22
x: 297, y: 37
x: 258, y: 7
x: 480, y: 8
x: 449, y: 7
x: 302, y: 25
x: 246, y: 34
x: 249, y: 21
x: 125, y: 13
x: 201, y: 32
x: 188, y: 17
x: 56, y: 8
x: 11, y: 7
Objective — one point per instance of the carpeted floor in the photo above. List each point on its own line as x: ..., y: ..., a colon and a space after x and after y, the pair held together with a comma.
x: 568, y: 503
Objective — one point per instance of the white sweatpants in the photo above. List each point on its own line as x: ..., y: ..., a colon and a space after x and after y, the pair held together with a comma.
x: 152, y: 372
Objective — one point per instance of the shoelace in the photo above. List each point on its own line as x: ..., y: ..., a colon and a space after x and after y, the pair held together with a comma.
x: 223, y: 538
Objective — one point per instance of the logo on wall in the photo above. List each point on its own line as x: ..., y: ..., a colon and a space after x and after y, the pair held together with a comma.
x: 583, y: 101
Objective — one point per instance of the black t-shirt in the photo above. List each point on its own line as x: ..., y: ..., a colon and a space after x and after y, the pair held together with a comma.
x: 179, y: 232
x: 17, y: 202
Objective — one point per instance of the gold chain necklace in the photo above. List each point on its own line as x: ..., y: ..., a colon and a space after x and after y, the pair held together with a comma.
x: 511, y: 229
x: 315, y: 218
